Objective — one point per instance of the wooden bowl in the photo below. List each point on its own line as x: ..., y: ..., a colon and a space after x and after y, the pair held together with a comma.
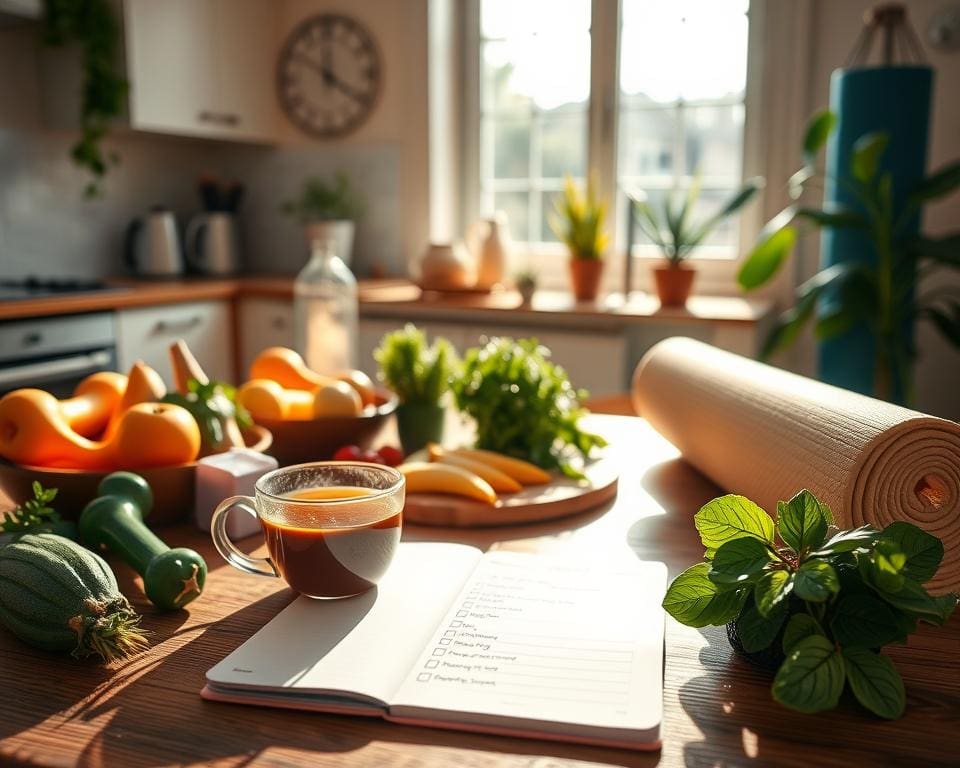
x: 297, y: 442
x: 173, y: 487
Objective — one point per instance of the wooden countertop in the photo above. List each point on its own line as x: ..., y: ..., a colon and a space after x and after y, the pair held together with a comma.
x: 402, y: 299
x: 717, y: 709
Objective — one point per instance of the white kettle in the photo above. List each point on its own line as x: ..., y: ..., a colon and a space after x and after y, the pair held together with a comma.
x: 152, y: 247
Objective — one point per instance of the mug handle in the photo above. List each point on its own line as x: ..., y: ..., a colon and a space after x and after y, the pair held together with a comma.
x: 227, y: 549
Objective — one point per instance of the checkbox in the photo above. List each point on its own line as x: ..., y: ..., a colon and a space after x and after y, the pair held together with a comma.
x: 444, y: 641
x: 450, y: 633
x: 468, y: 605
x: 431, y: 664
x: 456, y: 623
x: 439, y: 651
x: 424, y: 677
x: 461, y: 614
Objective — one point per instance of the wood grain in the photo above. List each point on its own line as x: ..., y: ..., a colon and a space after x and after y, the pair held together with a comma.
x: 718, y: 710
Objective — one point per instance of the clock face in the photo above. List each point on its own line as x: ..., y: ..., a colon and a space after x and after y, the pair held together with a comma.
x: 329, y: 75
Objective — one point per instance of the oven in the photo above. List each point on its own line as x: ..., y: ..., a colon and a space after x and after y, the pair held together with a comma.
x: 56, y: 353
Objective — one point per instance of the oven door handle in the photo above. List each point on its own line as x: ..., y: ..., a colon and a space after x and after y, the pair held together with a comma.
x: 29, y: 374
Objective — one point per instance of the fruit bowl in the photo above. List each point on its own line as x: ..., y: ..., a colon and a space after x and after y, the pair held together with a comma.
x: 173, y: 487
x: 300, y: 441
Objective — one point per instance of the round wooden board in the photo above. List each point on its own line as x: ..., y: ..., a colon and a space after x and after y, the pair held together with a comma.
x: 533, y: 504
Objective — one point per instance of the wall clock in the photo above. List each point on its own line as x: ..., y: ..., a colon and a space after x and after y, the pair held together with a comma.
x: 329, y: 75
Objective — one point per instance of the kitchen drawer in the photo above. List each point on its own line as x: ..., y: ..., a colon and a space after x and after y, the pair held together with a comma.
x: 146, y: 334
x: 263, y: 323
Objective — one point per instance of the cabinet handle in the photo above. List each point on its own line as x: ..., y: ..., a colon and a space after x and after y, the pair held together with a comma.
x: 177, y: 326
x: 220, y: 118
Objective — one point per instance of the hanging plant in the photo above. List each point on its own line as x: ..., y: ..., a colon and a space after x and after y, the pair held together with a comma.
x: 93, y: 26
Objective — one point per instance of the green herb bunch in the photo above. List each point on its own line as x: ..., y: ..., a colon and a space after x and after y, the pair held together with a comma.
x: 417, y: 371
x: 212, y: 404
x: 37, y: 516
x: 524, y: 405
x: 829, y: 599
x: 323, y: 201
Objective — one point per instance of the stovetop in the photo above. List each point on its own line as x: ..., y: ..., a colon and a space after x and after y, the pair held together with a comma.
x: 40, y: 287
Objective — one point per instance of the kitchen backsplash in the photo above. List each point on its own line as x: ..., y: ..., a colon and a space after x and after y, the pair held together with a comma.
x: 47, y: 228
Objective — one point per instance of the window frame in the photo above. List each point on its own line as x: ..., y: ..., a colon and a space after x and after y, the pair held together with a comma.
x: 772, y: 126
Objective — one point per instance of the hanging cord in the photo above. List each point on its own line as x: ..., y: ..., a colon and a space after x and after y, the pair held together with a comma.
x: 898, y: 39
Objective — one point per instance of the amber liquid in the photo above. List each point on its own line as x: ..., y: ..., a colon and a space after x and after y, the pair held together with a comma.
x: 345, y: 557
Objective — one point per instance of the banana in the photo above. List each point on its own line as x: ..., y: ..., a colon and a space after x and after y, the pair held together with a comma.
x: 522, y: 471
x: 424, y: 477
x: 499, y: 481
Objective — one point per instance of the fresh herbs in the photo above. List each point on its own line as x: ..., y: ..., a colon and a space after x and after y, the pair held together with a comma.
x: 213, y: 405
x: 418, y: 372
x: 828, y: 599
x: 34, y: 515
x: 524, y: 405
x: 578, y: 220
x: 320, y: 201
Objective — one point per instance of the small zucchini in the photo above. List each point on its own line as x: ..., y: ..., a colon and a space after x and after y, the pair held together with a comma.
x: 58, y: 596
x: 114, y: 520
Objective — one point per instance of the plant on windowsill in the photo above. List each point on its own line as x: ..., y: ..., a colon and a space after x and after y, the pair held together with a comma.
x: 328, y: 212
x: 578, y: 220
x: 526, y: 283
x: 810, y: 601
x: 878, y: 295
x: 673, y: 232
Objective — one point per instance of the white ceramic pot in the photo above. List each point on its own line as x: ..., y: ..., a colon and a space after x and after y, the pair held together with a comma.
x: 339, y: 233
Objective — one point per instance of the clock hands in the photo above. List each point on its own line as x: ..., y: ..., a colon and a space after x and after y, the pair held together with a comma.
x: 330, y: 79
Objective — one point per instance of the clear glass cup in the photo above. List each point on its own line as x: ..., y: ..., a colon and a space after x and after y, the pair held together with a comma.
x: 331, y: 527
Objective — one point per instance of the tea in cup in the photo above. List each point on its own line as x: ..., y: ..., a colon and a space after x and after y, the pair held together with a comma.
x: 331, y: 528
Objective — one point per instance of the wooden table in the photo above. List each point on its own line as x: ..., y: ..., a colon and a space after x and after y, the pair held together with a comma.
x: 718, y: 710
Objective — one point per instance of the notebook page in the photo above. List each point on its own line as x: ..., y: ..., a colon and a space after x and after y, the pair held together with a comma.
x: 361, y: 645
x: 540, y: 638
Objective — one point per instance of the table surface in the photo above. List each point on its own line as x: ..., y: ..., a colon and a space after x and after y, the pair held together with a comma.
x: 717, y: 709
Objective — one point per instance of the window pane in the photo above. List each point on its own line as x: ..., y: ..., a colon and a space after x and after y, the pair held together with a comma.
x: 647, y: 139
x: 511, y: 149
x: 515, y: 206
x: 547, y: 203
x: 714, y: 142
x: 497, y: 87
x: 564, y: 146
x: 711, y: 200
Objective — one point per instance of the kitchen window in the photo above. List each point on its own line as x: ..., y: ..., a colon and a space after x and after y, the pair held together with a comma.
x: 646, y: 93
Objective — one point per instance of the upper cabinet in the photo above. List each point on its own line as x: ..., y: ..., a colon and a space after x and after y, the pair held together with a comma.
x: 195, y: 68
x: 202, y: 67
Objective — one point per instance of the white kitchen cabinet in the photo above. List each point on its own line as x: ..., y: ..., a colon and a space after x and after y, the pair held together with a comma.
x: 146, y: 334
x: 263, y: 323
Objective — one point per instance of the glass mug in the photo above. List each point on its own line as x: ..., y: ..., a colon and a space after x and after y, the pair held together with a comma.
x: 331, y: 528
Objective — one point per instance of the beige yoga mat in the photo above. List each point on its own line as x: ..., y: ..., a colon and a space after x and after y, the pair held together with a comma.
x: 766, y: 433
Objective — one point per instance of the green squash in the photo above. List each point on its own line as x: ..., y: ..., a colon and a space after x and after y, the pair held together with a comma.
x: 59, y: 596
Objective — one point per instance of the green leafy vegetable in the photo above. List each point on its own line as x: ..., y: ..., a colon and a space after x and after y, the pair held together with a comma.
x: 34, y: 515
x: 418, y: 372
x: 524, y: 405
x: 836, y: 596
x: 212, y: 405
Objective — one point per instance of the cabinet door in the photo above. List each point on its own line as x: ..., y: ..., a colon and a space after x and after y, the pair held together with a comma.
x: 245, y: 52
x: 263, y: 323
x: 146, y: 334
x: 171, y: 64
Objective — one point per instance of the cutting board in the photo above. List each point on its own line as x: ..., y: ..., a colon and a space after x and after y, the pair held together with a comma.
x: 560, y: 498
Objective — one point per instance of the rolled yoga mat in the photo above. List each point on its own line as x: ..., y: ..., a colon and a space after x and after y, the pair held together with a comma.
x: 766, y: 433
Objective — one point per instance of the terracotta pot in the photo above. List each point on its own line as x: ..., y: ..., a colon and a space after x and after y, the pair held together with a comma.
x: 673, y: 284
x: 585, y: 277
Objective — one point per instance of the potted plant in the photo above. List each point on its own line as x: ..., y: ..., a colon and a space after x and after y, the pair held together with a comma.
x: 812, y: 602
x: 328, y: 210
x: 878, y: 295
x: 676, y: 235
x: 526, y: 283
x: 577, y: 219
x: 420, y: 375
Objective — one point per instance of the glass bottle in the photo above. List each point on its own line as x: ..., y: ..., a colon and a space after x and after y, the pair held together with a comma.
x: 325, y: 310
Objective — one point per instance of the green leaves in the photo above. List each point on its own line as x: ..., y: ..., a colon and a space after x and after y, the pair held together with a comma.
x: 772, y: 588
x: 875, y: 682
x: 694, y: 600
x: 34, y: 514
x: 811, y: 677
x: 774, y: 244
x: 732, y: 517
x: 738, y: 560
x: 801, y: 625
x: 802, y: 521
x: 817, y: 133
x: 757, y: 631
x: 864, y: 621
x: 922, y: 551
x: 815, y: 581
x: 418, y: 372
x: 855, y: 539
x: 867, y: 151
x: 941, y: 183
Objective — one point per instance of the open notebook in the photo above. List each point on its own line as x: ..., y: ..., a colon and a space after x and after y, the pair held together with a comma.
x: 513, y: 643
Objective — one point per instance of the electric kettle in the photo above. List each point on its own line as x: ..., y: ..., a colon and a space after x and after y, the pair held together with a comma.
x: 152, y: 246
x: 213, y: 243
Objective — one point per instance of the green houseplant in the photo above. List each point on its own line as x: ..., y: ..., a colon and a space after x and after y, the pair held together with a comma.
x: 328, y: 210
x: 673, y: 231
x: 578, y: 218
x: 811, y: 601
x: 878, y: 295
x: 420, y: 375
